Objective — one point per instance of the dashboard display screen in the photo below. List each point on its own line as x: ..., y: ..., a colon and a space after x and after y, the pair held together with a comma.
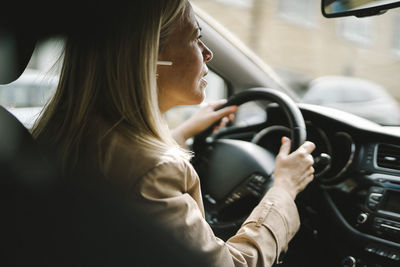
x: 392, y: 202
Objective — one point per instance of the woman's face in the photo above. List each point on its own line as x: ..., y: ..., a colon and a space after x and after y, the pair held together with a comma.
x: 183, y: 82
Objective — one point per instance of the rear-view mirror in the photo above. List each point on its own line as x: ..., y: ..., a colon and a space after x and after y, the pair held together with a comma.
x: 358, y: 8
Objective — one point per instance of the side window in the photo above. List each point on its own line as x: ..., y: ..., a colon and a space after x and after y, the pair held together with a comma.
x: 217, y: 89
x: 26, y: 96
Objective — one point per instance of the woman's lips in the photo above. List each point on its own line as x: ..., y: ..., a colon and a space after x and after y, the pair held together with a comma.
x: 203, y: 83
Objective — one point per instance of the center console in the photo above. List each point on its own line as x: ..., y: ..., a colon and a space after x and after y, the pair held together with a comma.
x: 368, y: 209
x: 380, y: 217
x: 382, y: 213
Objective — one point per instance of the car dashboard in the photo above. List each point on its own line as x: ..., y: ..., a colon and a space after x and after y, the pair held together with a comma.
x: 361, y: 185
x: 351, y: 211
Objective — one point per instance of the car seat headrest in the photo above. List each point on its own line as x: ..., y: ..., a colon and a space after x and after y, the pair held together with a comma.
x: 16, y: 50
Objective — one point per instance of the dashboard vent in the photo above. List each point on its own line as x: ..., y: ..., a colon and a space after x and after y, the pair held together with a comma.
x: 388, y: 156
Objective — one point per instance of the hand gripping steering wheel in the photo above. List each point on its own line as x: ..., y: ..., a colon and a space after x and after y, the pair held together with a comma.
x: 236, y: 174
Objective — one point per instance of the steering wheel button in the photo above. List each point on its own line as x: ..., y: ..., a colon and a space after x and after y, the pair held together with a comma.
x: 259, y: 178
x: 236, y: 196
x: 229, y: 200
x: 254, y: 192
x: 210, y: 199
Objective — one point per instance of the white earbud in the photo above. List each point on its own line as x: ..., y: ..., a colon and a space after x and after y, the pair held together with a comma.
x: 164, y: 63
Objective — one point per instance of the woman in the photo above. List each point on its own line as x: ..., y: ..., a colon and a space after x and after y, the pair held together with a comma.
x: 106, y: 119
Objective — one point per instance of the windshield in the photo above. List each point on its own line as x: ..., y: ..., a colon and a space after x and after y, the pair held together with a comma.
x: 349, y: 63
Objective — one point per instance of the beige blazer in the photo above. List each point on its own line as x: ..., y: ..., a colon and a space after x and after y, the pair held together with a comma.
x: 169, y: 189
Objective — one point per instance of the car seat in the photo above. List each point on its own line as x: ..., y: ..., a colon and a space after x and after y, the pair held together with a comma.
x: 50, y: 222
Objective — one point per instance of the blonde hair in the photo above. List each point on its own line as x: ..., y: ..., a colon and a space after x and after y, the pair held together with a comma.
x: 112, y: 73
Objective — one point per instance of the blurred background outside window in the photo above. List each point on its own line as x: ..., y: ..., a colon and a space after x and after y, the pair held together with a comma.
x: 291, y: 36
x: 301, y: 45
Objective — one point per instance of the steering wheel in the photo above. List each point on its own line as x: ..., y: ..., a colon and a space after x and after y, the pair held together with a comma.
x: 236, y: 174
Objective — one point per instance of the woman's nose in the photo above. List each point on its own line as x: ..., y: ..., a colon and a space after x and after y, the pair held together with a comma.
x: 207, y: 54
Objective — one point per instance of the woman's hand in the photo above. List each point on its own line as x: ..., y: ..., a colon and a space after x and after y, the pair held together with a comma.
x: 204, y: 118
x: 293, y: 172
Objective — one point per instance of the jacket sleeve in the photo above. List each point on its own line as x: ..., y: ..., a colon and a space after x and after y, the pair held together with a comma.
x: 171, y: 193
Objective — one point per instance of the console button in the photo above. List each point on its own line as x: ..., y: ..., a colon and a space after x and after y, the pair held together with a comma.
x: 390, y: 228
x: 376, y: 189
x: 372, y: 205
x: 377, y: 226
x: 370, y: 249
x: 381, y: 252
x: 375, y: 196
x: 349, y: 261
x: 362, y: 218
x: 394, y: 255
